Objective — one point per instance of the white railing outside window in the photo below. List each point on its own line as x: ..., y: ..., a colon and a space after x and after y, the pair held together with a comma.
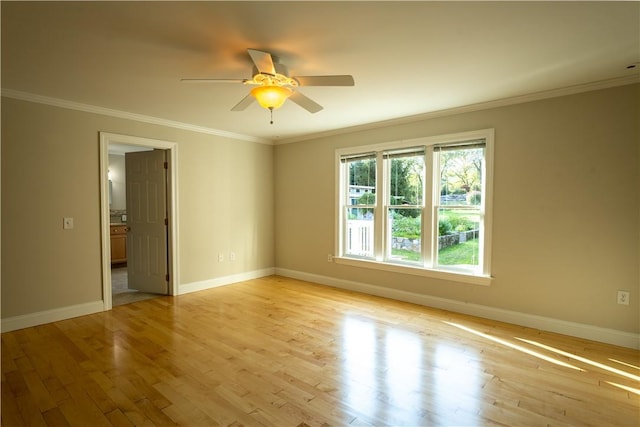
x: 359, y: 238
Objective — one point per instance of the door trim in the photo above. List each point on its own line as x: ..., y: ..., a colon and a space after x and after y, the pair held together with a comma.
x: 107, y: 138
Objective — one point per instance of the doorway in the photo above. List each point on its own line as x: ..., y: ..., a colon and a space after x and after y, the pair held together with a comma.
x: 138, y: 238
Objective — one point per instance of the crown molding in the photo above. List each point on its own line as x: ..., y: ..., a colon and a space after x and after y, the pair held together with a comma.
x: 521, y: 99
x: 535, y: 96
x: 87, y: 108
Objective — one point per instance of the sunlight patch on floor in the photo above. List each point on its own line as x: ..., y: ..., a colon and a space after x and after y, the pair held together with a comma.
x: 625, y: 387
x: 625, y: 364
x: 582, y: 359
x: 514, y: 346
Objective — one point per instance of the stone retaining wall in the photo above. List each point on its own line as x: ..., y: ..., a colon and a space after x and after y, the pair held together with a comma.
x: 413, y: 245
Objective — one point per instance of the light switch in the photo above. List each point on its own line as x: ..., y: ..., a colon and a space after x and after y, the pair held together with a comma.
x: 67, y: 223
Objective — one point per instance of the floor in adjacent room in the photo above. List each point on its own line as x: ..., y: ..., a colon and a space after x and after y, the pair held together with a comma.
x: 120, y: 292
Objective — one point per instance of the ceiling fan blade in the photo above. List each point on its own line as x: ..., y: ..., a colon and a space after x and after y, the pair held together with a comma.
x: 244, y: 103
x: 263, y: 61
x: 337, y: 80
x: 213, y: 80
x: 306, y: 103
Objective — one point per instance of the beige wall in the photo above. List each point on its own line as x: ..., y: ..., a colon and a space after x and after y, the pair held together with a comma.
x: 566, y: 207
x: 50, y: 161
x: 566, y: 212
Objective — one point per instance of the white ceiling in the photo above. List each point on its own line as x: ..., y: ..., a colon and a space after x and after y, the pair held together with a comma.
x: 407, y: 58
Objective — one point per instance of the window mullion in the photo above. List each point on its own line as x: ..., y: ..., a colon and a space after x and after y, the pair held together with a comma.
x: 380, y: 210
x: 429, y: 230
x: 344, y: 191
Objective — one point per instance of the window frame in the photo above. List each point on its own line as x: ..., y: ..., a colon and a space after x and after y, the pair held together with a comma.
x: 427, y: 267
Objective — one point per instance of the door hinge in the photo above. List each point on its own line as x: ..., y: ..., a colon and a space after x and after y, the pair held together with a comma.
x: 166, y: 165
x: 166, y: 277
x: 166, y: 221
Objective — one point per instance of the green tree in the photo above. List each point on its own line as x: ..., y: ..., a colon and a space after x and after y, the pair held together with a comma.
x: 363, y: 172
x: 367, y: 199
x: 461, y: 169
x: 406, y: 180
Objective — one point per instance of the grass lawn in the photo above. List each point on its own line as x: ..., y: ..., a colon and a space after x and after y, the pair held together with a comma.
x: 462, y: 253
x: 404, y: 255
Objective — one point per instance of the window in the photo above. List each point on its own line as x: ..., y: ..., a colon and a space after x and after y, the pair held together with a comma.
x: 421, y: 206
x: 360, y: 203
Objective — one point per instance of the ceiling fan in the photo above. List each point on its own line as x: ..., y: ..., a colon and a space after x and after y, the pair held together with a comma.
x: 273, y: 85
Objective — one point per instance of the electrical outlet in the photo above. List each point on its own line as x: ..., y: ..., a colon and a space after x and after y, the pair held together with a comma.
x: 67, y: 223
x: 623, y: 297
x: 329, y: 258
x: 220, y: 257
x: 232, y: 256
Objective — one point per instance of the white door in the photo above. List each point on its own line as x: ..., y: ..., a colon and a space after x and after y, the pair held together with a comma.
x: 147, y: 254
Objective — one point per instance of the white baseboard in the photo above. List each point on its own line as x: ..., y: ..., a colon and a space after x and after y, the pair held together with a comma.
x: 580, y: 330
x: 48, y: 316
x: 223, y: 281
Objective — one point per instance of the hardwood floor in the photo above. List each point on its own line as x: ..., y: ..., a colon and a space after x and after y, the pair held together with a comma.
x: 281, y: 352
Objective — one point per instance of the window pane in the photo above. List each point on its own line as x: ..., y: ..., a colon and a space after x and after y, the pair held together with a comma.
x: 359, y: 232
x: 362, y: 181
x: 405, y: 227
x: 461, y: 176
x: 458, y: 236
x: 406, y: 180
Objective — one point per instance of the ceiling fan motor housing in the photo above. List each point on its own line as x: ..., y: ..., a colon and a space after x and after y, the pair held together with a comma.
x: 280, y: 78
x: 280, y: 70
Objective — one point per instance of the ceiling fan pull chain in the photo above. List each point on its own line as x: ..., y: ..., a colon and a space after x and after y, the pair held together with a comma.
x: 271, y: 111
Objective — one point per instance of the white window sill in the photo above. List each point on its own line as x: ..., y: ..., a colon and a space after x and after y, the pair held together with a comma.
x: 453, y: 276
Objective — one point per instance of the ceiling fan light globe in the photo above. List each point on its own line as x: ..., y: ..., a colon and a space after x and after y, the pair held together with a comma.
x: 271, y: 97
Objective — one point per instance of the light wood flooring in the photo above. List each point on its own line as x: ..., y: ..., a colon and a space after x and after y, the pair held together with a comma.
x: 281, y: 352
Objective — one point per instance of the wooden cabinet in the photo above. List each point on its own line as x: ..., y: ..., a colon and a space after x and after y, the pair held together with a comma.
x: 118, y: 244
